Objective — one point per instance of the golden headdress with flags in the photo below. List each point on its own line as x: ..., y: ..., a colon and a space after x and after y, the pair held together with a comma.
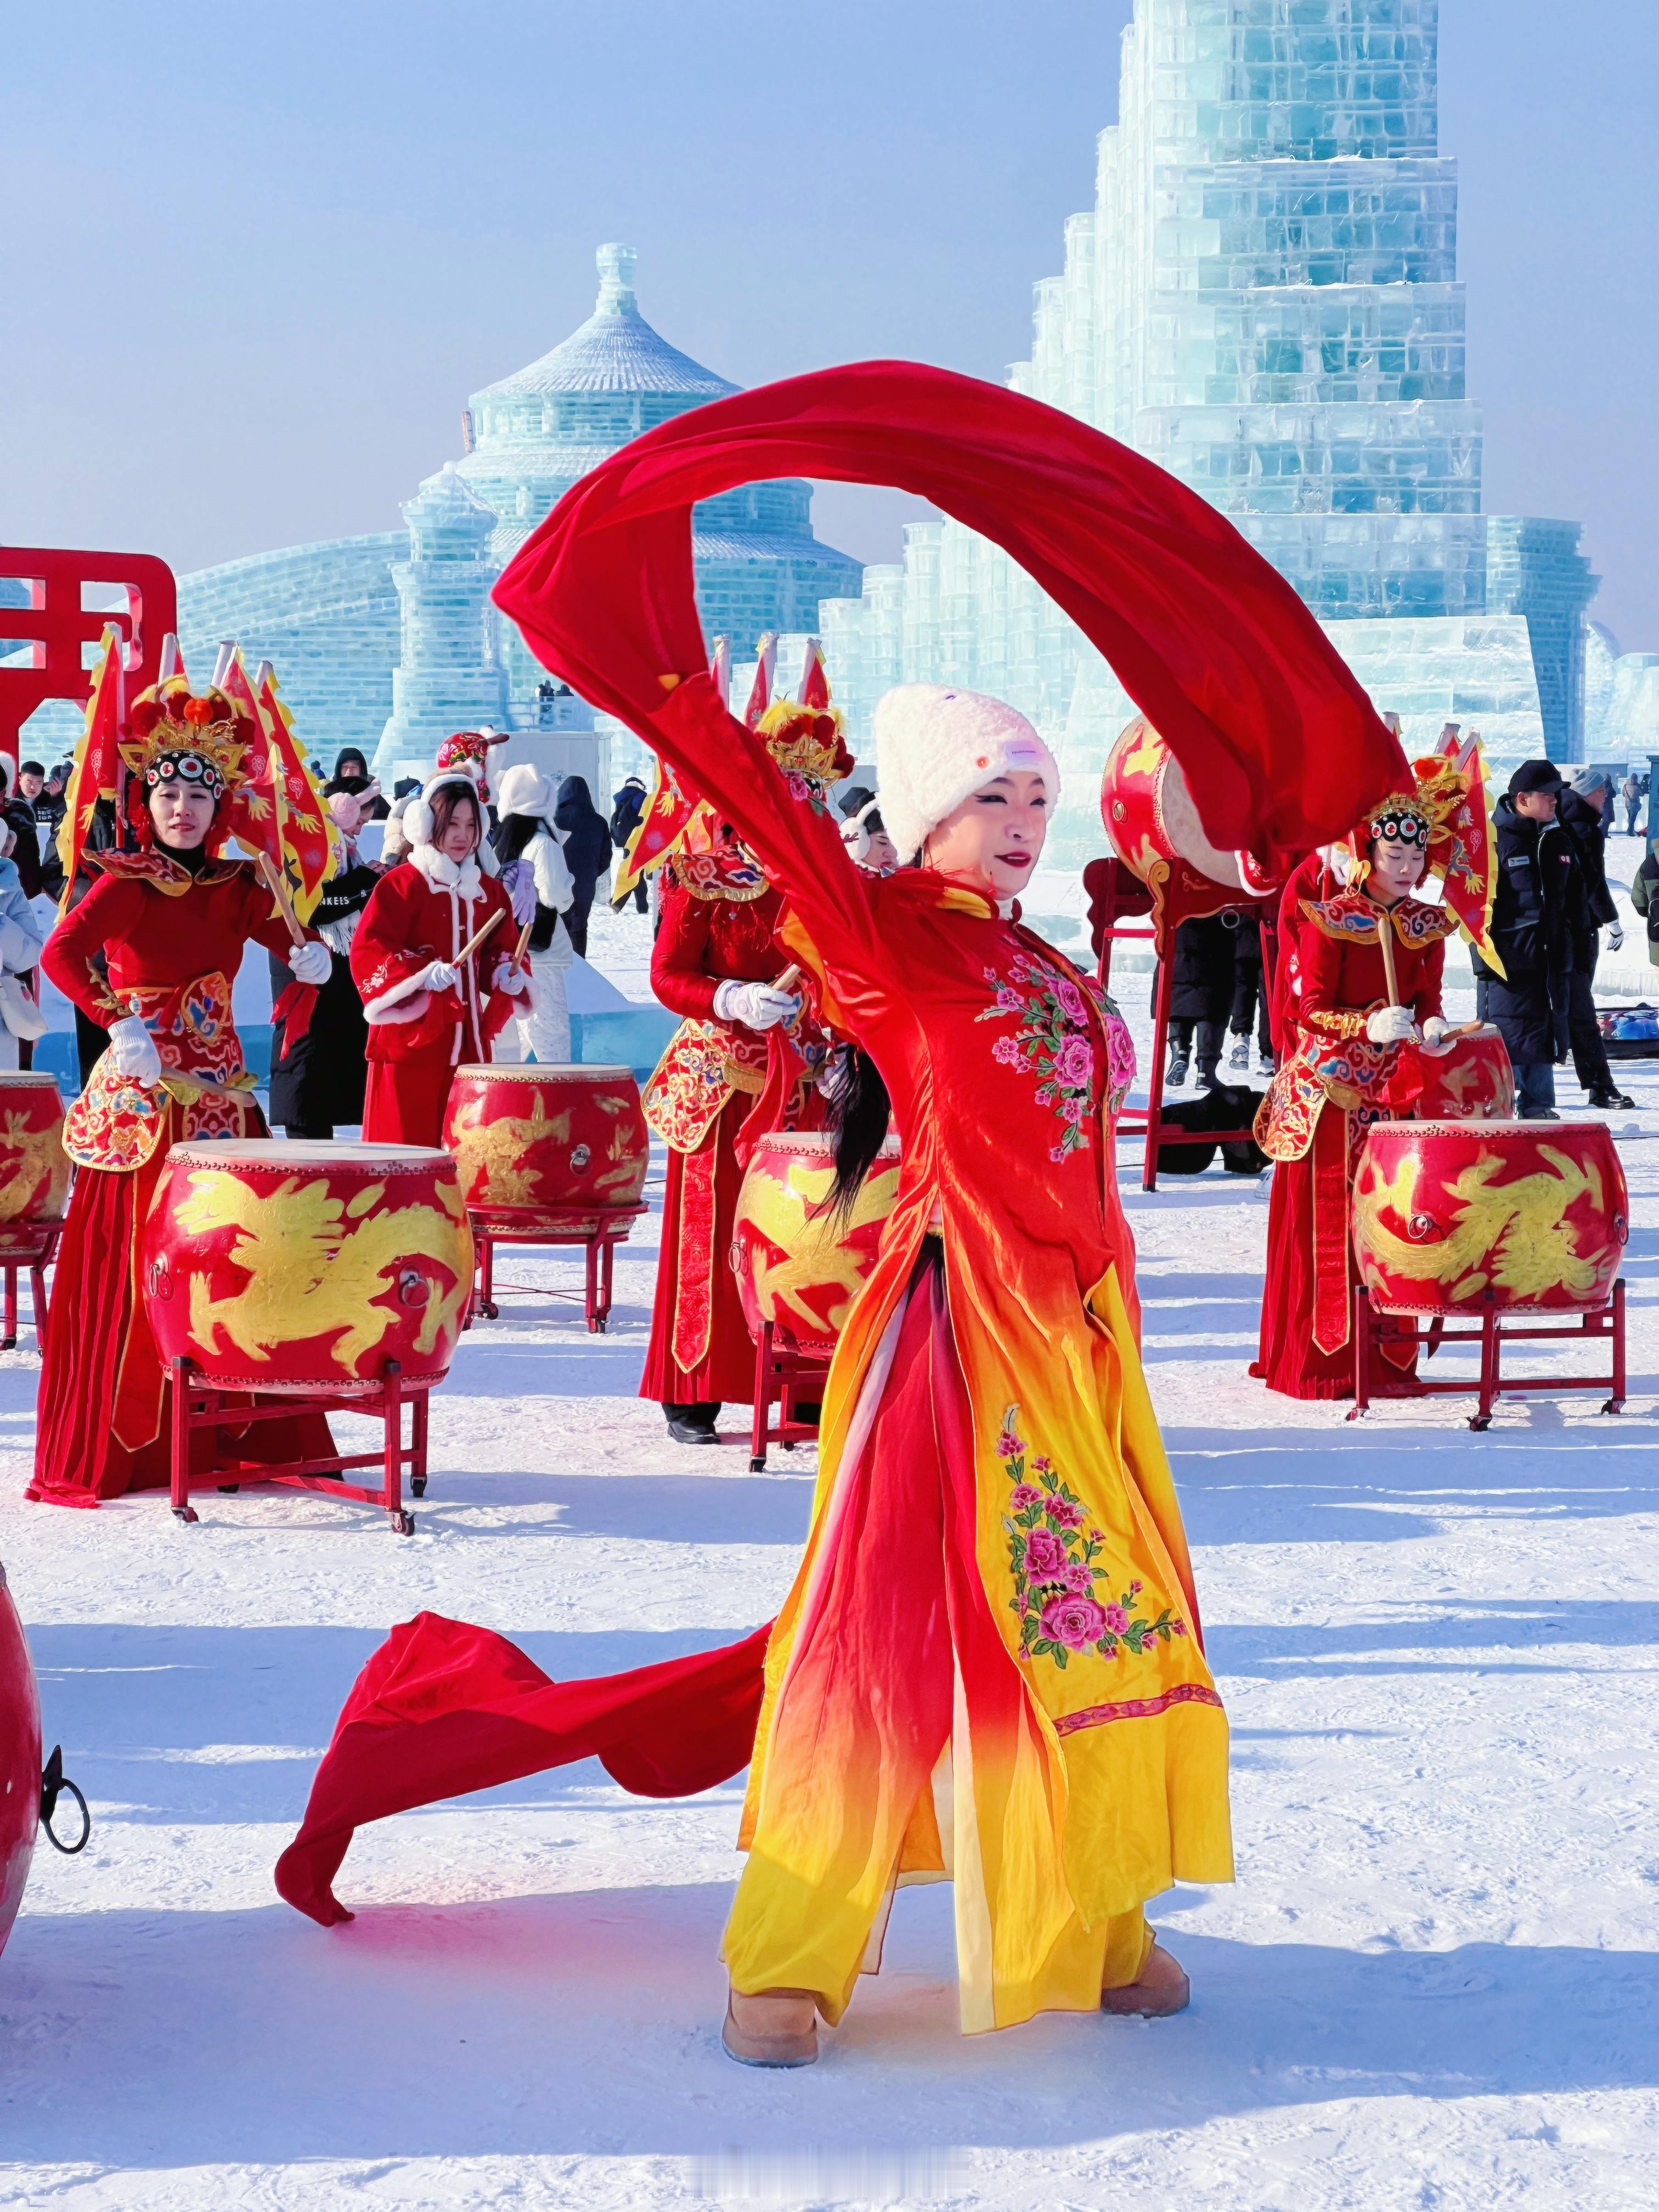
x: 1449, y: 807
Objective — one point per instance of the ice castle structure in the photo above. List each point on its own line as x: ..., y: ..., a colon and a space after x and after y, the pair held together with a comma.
x: 1264, y: 300
x: 389, y: 641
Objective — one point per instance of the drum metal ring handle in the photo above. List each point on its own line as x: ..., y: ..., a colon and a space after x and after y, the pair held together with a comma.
x: 580, y: 1156
x: 54, y: 1783
x: 413, y: 1288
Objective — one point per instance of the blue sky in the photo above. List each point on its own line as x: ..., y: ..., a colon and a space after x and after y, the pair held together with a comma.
x: 256, y: 257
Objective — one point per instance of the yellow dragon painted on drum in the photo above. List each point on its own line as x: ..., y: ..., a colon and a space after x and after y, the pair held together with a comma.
x: 29, y: 1157
x: 309, y: 1273
x: 497, y: 1150
x: 1516, y: 1236
x: 816, y: 1254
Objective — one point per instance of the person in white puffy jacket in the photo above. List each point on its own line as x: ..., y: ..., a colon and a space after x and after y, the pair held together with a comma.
x: 21, y: 942
x: 536, y: 880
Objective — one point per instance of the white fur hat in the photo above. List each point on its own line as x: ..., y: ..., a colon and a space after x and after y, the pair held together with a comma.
x: 418, y: 823
x: 523, y: 789
x: 936, y: 745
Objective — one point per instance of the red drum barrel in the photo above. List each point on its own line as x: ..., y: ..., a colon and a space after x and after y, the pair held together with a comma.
x: 531, y: 1142
x: 294, y: 1266
x: 34, y: 1169
x: 795, y: 1267
x: 1149, y: 813
x: 1446, y: 1212
x: 1469, y: 1079
x: 19, y: 1761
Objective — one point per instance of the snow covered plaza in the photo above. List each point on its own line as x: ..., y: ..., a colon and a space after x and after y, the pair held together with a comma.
x: 1432, y: 1984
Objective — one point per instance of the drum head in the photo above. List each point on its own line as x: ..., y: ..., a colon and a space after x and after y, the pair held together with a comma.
x: 306, y: 1152
x: 534, y: 1071
x: 26, y: 1078
x: 1178, y: 818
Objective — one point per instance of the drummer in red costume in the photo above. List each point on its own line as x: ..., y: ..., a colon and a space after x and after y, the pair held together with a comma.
x: 1346, y: 1013
x: 173, y: 919
x: 715, y: 963
x: 432, y: 1004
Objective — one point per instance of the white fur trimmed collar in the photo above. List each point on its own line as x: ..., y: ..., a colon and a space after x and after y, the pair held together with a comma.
x: 446, y: 874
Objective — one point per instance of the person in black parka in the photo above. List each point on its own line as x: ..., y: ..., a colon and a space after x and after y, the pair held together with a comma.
x: 1538, y: 907
x: 1585, y: 812
x: 1201, y: 994
x: 626, y: 807
x: 586, y: 851
x: 317, y: 1085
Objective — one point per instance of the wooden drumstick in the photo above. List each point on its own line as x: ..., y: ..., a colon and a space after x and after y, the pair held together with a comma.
x: 790, y: 975
x: 476, y: 938
x: 524, y: 940
x: 273, y: 882
x: 1385, y: 940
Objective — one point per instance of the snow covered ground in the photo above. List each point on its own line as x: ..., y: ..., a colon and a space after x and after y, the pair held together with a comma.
x: 1432, y: 1985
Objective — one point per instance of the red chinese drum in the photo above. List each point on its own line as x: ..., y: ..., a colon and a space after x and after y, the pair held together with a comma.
x: 1469, y: 1080
x: 795, y: 1266
x: 1147, y: 808
x: 19, y: 1761
x: 1448, y: 1214
x: 307, y: 1266
x: 534, y: 1142
x: 34, y: 1169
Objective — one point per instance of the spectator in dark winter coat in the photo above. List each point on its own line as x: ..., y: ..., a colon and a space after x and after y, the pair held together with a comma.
x: 1250, y: 999
x: 1201, y: 994
x: 626, y: 807
x: 1538, y: 907
x: 1631, y: 792
x: 586, y: 851
x: 1586, y: 814
x: 35, y: 874
x: 351, y: 775
x: 317, y: 1083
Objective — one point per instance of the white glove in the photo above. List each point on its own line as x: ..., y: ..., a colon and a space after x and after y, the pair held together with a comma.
x: 311, y: 962
x: 755, y: 1006
x: 132, y: 1051
x: 1615, y: 937
x: 1389, y: 1025
x: 439, y: 975
x: 1434, y: 1028
x: 510, y: 979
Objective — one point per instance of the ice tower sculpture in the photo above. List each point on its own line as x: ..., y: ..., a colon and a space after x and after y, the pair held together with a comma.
x: 1264, y: 300
x: 338, y: 618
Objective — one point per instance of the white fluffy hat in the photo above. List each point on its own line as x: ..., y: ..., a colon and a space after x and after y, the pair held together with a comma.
x: 419, y: 822
x: 936, y: 745
x: 523, y: 789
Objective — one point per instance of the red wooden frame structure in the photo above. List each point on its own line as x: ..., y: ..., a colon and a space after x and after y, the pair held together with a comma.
x: 198, y: 1404
x: 36, y: 1253
x: 781, y: 1375
x: 1493, y: 1332
x: 598, y: 1233
x: 1123, y: 907
x: 56, y: 626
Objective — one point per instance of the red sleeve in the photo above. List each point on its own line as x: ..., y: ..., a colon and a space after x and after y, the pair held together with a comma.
x: 1319, y: 1008
x: 108, y: 914
x: 796, y: 840
x: 382, y: 953
x: 678, y: 976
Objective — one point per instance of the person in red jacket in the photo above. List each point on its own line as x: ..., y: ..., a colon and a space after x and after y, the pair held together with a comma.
x: 717, y: 962
x: 432, y: 1003
x: 172, y: 919
x: 1341, y: 1029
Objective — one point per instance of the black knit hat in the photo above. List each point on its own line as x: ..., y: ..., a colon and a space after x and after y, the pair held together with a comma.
x: 1536, y: 776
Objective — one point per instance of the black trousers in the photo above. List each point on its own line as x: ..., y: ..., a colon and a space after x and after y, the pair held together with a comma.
x: 1590, y: 1052
x: 1210, y: 1038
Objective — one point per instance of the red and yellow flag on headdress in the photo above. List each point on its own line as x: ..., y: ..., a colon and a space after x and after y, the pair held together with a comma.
x: 310, y: 847
x: 1447, y: 792
x: 251, y: 811
x: 97, y: 771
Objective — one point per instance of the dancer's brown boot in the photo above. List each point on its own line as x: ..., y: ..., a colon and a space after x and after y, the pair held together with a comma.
x: 773, y: 2027
x: 1162, y: 1989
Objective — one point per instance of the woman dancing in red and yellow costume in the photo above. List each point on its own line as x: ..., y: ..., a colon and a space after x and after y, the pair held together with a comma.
x: 1350, y: 1004
x: 173, y: 919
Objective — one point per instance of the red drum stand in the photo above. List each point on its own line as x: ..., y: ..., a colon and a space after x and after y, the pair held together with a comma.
x: 1497, y: 1327
x: 785, y: 1373
x: 200, y: 1404
x: 36, y: 1253
x: 598, y: 1232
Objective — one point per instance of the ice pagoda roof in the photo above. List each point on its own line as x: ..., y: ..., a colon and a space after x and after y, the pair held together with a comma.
x: 616, y: 349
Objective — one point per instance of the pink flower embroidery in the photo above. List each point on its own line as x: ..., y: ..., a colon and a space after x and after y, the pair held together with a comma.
x: 1068, y: 1516
x: 1074, y: 1063
x: 1071, y: 1000
x: 1076, y: 1622
x: 1023, y: 1496
x: 1046, y: 1555
x: 1116, y: 1619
